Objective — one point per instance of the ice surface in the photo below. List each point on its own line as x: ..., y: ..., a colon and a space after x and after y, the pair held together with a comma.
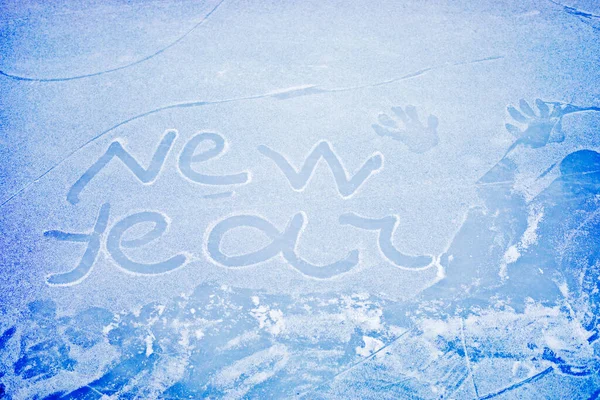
x: 315, y: 200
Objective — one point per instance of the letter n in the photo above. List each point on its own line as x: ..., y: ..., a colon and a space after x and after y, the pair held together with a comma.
x: 144, y: 175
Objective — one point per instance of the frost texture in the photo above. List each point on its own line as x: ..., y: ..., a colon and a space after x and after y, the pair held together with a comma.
x: 387, y: 200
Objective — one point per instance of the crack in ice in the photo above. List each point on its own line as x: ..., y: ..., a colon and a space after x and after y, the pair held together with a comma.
x: 122, y: 67
x: 280, y: 94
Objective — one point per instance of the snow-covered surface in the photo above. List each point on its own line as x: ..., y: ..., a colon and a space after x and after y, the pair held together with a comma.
x: 316, y: 199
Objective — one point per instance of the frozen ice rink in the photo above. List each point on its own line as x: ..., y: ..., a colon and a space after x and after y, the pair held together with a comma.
x: 299, y: 199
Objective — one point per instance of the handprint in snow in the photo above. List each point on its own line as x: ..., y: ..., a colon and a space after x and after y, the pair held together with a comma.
x: 407, y: 128
x: 541, y: 127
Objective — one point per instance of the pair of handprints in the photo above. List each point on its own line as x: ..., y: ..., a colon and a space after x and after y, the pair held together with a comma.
x: 531, y: 128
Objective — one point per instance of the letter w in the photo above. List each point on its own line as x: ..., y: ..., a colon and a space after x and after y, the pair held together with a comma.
x: 299, y: 179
